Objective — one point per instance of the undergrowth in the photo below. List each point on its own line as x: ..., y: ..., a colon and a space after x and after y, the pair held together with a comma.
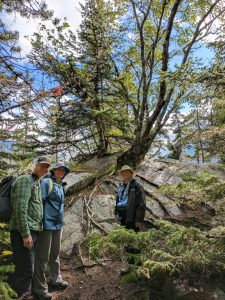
x: 168, y: 250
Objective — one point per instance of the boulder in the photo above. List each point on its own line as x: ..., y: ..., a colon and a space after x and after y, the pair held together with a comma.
x: 161, y: 172
x: 166, y: 204
x: 154, y: 207
x: 98, y: 166
x: 76, y: 182
x: 73, y: 230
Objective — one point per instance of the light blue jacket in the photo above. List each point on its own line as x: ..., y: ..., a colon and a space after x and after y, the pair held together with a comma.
x: 53, y: 204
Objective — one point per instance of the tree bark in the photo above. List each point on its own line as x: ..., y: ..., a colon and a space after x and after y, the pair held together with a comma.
x: 137, y: 152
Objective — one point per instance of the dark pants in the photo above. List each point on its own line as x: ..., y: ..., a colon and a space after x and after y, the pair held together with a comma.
x: 24, y: 262
x: 123, y: 221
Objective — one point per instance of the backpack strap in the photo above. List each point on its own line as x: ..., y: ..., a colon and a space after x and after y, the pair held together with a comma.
x: 50, y: 186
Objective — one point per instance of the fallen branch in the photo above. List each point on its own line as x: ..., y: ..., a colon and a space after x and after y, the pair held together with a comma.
x: 70, y: 202
x: 91, y: 194
x: 81, y: 258
x: 89, y: 215
x: 88, y: 219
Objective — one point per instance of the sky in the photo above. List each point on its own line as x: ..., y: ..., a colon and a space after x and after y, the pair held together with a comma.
x: 66, y: 8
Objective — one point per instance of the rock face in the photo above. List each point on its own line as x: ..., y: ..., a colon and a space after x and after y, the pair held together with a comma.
x: 94, y: 211
x: 102, y: 207
x: 169, y: 171
x: 76, y: 225
x: 99, y: 167
x: 102, y: 166
x: 78, y: 182
x: 160, y: 172
x: 73, y: 230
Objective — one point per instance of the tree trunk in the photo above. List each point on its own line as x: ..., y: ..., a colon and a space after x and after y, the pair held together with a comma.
x: 136, y: 153
x: 199, y: 136
x: 102, y: 143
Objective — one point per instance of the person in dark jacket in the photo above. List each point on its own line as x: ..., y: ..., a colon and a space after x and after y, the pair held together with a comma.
x: 49, y: 240
x: 130, y: 200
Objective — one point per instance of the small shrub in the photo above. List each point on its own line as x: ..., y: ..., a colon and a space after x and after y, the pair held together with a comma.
x: 204, y: 187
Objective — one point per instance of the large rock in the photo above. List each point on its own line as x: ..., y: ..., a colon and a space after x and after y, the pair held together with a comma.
x: 169, y: 171
x: 76, y: 182
x: 98, y: 166
x: 169, y: 206
x: 162, y: 172
x: 73, y: 230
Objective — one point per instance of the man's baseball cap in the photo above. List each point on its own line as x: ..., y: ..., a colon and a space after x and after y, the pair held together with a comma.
x: 42, y: 160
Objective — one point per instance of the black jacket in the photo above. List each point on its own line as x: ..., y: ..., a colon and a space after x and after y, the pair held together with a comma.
x: 135, y: 208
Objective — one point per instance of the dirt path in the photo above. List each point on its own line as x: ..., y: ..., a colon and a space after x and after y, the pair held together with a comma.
x: 103, y: 282
x: 99, y: 282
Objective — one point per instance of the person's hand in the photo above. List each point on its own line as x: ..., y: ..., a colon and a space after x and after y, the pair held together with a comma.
x: 28, y: 242
x: 138, y: 224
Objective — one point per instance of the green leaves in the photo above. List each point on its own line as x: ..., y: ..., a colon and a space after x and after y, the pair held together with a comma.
x: 169, y: 250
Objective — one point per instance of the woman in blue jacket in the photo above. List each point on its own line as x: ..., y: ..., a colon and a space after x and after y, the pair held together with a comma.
x: 49, y: 240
